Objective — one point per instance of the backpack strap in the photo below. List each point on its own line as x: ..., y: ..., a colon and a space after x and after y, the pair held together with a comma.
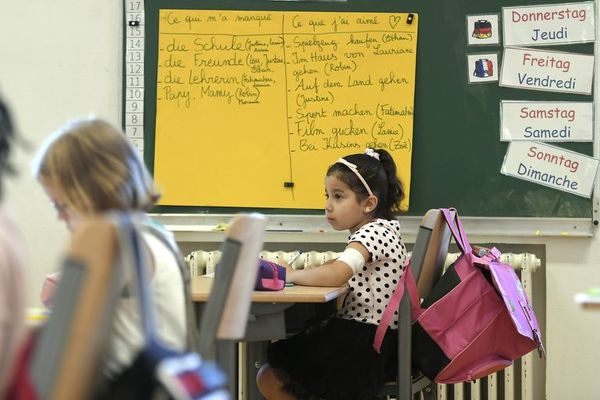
x: 162, y: 234
x: 455, y: 225
x: 132, y: 255
x: 386, y: 318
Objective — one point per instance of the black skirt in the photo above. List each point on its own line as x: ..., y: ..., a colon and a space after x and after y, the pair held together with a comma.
x: 335, y: 361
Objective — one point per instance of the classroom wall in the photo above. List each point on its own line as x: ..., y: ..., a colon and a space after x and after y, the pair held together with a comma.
x: 62, y: 59
x: 59, y: 60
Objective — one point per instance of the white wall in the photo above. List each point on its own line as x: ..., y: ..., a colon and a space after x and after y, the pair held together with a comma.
x: 573, y: 338
x: 62, y: 59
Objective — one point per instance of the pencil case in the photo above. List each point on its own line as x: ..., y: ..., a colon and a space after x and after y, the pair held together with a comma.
x: 270, y: 276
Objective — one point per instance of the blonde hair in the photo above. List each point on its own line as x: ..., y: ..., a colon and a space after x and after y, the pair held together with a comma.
x: 96, y: 168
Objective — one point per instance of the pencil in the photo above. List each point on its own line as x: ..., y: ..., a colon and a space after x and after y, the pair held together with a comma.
x: 295, y: 258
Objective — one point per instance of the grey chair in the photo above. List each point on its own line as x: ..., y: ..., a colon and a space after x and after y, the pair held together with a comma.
x: 427, y: 263
x: 75, y: 336
x: 224, y: 317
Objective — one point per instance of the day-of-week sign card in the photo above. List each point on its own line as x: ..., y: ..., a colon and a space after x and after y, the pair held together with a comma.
x: 549, y: 24
x: 553, y: 71
x: 547, y: 121
x: 551, y: 166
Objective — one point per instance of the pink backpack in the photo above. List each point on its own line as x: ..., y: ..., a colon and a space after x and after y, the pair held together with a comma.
x: 476, y: 320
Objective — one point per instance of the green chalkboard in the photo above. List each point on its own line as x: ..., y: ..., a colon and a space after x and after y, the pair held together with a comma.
x: 457, y: 152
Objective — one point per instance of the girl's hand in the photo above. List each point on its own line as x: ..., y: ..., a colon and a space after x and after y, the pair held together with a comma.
x: 289, y: 271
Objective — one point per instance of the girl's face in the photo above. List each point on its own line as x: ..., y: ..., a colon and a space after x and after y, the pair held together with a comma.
x: 66, y: 212
x: 343, y: 208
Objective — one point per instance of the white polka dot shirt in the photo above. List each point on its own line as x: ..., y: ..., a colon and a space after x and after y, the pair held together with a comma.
x: 373, y: 286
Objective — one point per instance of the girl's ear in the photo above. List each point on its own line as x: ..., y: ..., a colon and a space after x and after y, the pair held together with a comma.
x: 370, y: 204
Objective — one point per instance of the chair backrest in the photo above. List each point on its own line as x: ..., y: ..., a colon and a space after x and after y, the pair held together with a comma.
x: 427, y: 263
x: 225, y: 314
x: 430, y: 250
x: 75, y: 336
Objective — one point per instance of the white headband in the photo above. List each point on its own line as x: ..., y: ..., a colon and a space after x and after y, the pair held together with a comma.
x: 372, y: 153
x: 354, y: 169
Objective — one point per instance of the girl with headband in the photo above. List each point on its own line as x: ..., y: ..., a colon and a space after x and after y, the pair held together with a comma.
x: 336, y: 359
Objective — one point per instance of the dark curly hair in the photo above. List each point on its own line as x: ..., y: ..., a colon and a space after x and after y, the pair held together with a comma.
x: 381, y: 176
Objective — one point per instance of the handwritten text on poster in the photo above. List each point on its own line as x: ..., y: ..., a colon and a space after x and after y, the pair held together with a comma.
x: 253, y: 106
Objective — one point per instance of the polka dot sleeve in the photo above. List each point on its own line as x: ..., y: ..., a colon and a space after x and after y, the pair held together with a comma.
x: 373, y: 285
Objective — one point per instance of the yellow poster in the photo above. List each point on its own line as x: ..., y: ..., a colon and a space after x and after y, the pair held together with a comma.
x: 253, y: 106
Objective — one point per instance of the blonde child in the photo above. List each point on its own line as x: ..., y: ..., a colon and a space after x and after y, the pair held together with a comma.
x: 336, y: 360
x: 87, y: 168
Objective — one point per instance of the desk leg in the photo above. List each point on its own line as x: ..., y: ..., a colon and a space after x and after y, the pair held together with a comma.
x: 227, y: 360
x: 256, y: 356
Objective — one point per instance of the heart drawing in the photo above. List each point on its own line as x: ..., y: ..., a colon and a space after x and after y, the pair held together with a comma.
x: 394, y: 19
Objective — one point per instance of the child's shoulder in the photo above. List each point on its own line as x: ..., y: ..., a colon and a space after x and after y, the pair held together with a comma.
x: 380, y: 226
x: 389, y: 224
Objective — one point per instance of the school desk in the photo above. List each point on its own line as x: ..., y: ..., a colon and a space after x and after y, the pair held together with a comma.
x: 272, y: 314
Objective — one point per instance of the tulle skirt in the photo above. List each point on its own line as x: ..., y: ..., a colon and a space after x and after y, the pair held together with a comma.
x: 335, y: 361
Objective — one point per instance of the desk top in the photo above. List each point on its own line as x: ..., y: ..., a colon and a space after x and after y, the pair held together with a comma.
x: 294, y: 294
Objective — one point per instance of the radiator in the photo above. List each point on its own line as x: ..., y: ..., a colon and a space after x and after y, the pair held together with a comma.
x: 204, y: 262
x: 512, y: 383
